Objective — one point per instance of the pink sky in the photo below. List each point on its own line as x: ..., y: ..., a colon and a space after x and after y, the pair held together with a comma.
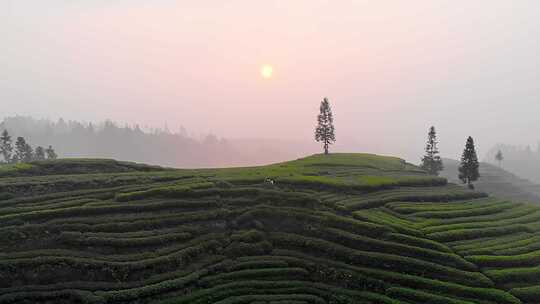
x: 390, y: 69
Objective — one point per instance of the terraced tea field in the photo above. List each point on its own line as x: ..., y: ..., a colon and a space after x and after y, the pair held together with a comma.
x: 344, y: 228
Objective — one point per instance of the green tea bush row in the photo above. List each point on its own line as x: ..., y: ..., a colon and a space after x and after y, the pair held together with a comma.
x: 325, y: 183
x: 449, y: 289
x: 522, y: 260
x: 278, y: 298
x: 364, y: 243
x: 419, y: 296
x: 411, y: 208
x: 106, y: 210
x: 290, y: 273
x: 171, y: 191
x: 518, y: 215
x: 434, y: 196
x: 76, y: 238
x: 527, y: 294
x: 466, y: 213
x: 110, y: 269
x: 381, y: 260
x: 330, y: 293
x: 382, y: 218
x: 35, y: 256
x: 479, y: 224
x: 528, y: 276
x: 152, y: 289
x: 140, y: 222
x: 463, y: 245
x: 461, y: 234
x: 313, y: 218
x: 65, y: 296
x: 47, y: 207
x: 418, y: 242
x: 322, y: 272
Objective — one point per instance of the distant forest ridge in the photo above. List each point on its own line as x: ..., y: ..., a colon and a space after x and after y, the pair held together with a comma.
x: 153, y: 146
x: 522, y: 161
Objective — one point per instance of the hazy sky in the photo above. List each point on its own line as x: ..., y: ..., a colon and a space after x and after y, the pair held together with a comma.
x: 390, y: 68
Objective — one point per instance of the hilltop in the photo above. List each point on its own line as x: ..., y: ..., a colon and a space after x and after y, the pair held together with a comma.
x: 343, y: 228
x: 497, y: 181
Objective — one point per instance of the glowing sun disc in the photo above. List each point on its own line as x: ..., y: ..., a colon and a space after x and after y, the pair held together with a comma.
x: 267, y: 71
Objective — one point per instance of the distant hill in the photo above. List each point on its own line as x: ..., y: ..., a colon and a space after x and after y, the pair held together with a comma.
x: 496, y: 181
x: 337, y: 229
x: 522, y: 161
x: 152, y: 146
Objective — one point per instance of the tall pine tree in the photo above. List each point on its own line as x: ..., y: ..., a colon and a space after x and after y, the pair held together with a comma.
x: 432, y: 162
x: 51, y: 154
x: 20, y: 149
x: 6, y: 146
x: 28, y: 154
x: 468, y: 169
x: 39, y: 154
x: 325, y: 126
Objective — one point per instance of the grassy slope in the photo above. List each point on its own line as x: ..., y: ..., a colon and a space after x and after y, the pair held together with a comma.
x: 344, y: 228
x: 498, y: 182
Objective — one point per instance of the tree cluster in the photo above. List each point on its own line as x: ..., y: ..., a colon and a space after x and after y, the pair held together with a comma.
x: 468, y: 167
x: 160, y: 146
x: 431, y: 161
x: 21, y: 151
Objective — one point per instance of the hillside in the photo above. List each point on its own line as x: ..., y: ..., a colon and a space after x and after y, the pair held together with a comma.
x: 344, y: 228
x: 497, y: 181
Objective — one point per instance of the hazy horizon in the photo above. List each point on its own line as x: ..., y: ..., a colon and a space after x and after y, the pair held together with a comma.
x: 390, y: 69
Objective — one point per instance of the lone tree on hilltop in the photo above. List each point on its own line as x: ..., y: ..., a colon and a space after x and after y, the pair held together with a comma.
x: 468, y: 168
x: 6, y: 146
x: 432, y: 162
x: 325, y: 126
x: 499, y: 157
x: 51, y: 154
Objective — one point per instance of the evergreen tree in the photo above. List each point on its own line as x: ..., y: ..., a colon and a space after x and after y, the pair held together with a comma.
x: 499, y: 157
x: 51, y: 154
x: 28, y: 154
x: 39, y: 153
x: 6, y: 146
x: 432, y: 162
x: 325, y: 126
x: 468, y: 169
x: 20, y: 148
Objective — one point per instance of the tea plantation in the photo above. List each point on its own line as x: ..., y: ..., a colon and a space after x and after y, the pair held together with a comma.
x: 344, y: 228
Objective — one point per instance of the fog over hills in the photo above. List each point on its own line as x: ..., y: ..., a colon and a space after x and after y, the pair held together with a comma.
x: 521, y: 160
x: 153, y: 146
x: 497, y: 182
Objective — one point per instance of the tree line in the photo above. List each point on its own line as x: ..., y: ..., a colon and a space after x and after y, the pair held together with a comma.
x: 431, y: 162
x: 22, y: 151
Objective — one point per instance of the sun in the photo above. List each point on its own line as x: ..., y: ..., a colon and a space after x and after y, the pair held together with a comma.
x: 267, y: 71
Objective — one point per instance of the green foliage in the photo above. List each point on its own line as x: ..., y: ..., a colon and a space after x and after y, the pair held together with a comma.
x: 468, y: 168
x: 324, y: 132
x: 340, y: 228
x: 432, y: 162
